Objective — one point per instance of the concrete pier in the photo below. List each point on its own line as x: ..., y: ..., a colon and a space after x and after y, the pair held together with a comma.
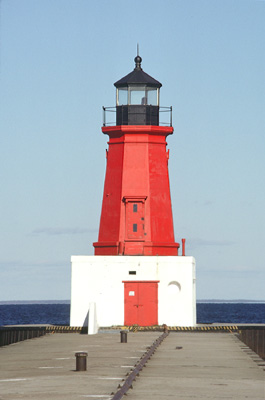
x: 201, y: 366
x: 188, y: 365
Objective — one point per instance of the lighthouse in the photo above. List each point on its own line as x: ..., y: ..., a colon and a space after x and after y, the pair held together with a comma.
x: 136, y: 216
x: 136, y: 276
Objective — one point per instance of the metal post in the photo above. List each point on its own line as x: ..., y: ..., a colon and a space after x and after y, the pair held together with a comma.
x: 123, y: 336
x: 81, y: 358
x: 183, y: 246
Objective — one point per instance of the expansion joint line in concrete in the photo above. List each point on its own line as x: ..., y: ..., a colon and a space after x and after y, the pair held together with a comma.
x: 138, y: 367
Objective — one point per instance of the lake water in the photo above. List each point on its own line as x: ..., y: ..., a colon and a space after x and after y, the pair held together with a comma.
x: 59, y: 314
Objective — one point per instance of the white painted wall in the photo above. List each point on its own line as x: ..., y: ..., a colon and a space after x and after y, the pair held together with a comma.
x: 98, y: 279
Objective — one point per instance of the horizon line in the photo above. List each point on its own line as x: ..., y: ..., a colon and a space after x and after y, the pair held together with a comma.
x: 68, y: 301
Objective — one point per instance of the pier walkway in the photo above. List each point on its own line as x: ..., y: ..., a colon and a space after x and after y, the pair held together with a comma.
x: 187, y: 365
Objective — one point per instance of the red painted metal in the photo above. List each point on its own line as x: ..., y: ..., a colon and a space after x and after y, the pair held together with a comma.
x: 141, y: 303
x: 136, y: 216
x: 183, y: 246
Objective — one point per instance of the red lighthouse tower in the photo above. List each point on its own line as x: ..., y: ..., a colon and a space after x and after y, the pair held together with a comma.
x: 136, y: 216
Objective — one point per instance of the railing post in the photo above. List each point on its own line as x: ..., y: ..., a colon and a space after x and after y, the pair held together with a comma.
x: 262, y: 344
x: 104, y: 117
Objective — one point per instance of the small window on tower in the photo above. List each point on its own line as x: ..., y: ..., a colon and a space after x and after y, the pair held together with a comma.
x: 135, y: 208
x: 134, y: 227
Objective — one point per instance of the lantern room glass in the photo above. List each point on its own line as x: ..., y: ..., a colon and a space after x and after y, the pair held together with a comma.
x: 152, y: 96
x: 122, y: 96
x: 137, y: 95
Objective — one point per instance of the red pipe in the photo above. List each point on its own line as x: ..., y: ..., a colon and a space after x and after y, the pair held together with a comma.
x: 183, y: 246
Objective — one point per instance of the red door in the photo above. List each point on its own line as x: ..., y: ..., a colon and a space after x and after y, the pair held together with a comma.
x: 141, y: 303
x: 134, y: 220
x: 134, y: 225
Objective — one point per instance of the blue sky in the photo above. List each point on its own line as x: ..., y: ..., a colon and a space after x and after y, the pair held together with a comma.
x: 58, y: 62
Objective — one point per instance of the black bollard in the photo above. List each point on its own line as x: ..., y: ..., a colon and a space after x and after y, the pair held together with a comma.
x: 81, y: 357
x: 123, y: 336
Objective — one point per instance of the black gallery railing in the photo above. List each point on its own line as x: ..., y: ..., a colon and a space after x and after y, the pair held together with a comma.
x: 149, y: 115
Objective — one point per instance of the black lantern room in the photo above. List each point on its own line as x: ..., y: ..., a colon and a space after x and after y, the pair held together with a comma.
x: 137, y: 98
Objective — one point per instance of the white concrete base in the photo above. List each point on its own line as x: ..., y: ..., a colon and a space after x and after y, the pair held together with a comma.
x: 99, y: 280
